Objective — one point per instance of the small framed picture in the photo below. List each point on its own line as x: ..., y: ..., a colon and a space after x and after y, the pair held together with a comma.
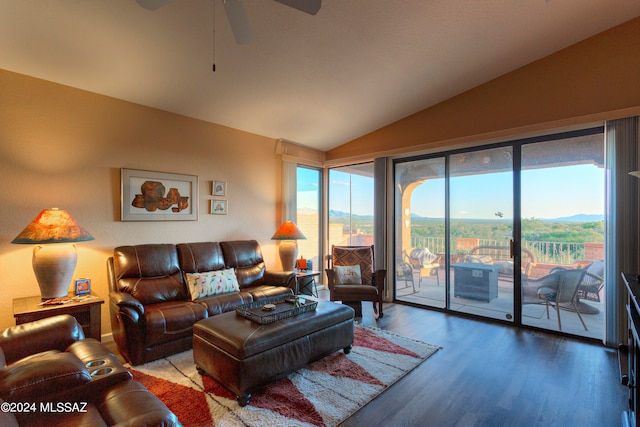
x: 219, y: 188
x: 83, y: 286
x: 218, y: 207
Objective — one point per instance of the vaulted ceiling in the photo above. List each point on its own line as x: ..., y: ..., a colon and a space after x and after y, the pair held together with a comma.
x: 319, y: 81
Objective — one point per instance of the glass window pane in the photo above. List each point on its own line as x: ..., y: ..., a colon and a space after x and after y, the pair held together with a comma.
x: 563, y: 229
x: 481, y: 229
x: 351, y: 205
x: 420, y: 232
x: 308, y: 213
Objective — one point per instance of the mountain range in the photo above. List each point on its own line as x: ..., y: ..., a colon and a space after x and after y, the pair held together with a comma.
x: 573, y: 218
x: 577, y: 218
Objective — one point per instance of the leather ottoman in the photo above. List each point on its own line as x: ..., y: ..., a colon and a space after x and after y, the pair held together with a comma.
x: 244, y: 355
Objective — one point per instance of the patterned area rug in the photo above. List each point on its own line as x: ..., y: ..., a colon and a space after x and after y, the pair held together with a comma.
x: 324, y: 393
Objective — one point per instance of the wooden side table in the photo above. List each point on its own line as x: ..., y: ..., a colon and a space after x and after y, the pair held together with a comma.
x: 306, y: 281
x: 86, y: 312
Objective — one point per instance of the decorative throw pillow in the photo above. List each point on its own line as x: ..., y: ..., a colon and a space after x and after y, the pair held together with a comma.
x: 348, y: 274
x: 355, y: 255
x: 212, y: 283
x: 480, y: 259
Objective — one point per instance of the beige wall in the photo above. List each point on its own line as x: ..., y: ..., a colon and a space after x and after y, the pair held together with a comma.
x: 63, y: 147
x: 594, y: 80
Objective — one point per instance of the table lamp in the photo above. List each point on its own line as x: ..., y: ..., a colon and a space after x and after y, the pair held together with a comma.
x: 288, y: 233
x: 54, y: 258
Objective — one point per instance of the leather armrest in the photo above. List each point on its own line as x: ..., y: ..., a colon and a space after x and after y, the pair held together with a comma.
x: 130, y: 404
x: 41, y: 375
x: 103, y: 366
x: 52, y: 333
x: 280, y: 278
x: 123, y: 299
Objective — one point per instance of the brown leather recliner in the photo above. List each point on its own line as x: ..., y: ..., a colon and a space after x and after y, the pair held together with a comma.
x: 151, y: 309
x: 51, y: 375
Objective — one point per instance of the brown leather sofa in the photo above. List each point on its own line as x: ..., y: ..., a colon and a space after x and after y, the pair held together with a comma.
x: 51, y: 375
x: 151, y: 310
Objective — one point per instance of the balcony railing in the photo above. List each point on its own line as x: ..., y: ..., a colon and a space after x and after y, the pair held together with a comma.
x: 561, y: 253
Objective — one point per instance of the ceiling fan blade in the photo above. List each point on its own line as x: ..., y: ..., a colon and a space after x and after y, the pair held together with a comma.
x: 238, y: 20
x: 153, y: 4
x: 307, y: 6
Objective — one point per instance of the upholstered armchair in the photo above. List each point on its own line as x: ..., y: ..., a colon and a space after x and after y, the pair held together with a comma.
x: 352, y: 278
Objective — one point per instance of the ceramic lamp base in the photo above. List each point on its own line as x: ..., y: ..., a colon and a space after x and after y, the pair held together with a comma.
x: 53, y: 266
x: 288, y: 254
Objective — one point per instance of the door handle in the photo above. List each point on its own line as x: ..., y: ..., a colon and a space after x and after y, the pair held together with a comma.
x: 511, y: 248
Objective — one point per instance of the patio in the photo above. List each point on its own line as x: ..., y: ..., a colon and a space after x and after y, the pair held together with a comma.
x: 428, y: 293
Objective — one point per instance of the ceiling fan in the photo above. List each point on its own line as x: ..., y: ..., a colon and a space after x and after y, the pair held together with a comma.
x: 238, y: 17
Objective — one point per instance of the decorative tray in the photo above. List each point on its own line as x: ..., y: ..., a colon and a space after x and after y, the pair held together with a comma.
x: 281, y: 307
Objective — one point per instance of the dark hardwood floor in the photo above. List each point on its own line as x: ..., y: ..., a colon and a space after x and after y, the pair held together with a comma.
x: 488, y: 374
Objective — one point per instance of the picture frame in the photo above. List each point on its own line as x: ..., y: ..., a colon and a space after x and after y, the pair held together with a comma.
x: 158, y: 196
x: 219, y: 207
x: 219, y: 188
x: 83, y: 286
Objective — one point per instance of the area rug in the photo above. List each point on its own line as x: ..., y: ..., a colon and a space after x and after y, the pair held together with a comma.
x: 324, y: 393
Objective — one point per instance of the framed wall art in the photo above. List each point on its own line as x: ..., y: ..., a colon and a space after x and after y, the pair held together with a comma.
x: 218, y: 207
x: 158, y: 196
x: 219, y: 188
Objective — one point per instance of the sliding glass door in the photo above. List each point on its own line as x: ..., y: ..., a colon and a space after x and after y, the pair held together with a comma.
x: 420, y: 232
x: 563, y: 230
x: 483, y: 231
x: 453, y: 237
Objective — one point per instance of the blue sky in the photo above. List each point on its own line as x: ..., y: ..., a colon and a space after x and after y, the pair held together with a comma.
x: 308, y: 188
x: 359, y: 187
x: 341, y: 185
x: 546, y: 193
